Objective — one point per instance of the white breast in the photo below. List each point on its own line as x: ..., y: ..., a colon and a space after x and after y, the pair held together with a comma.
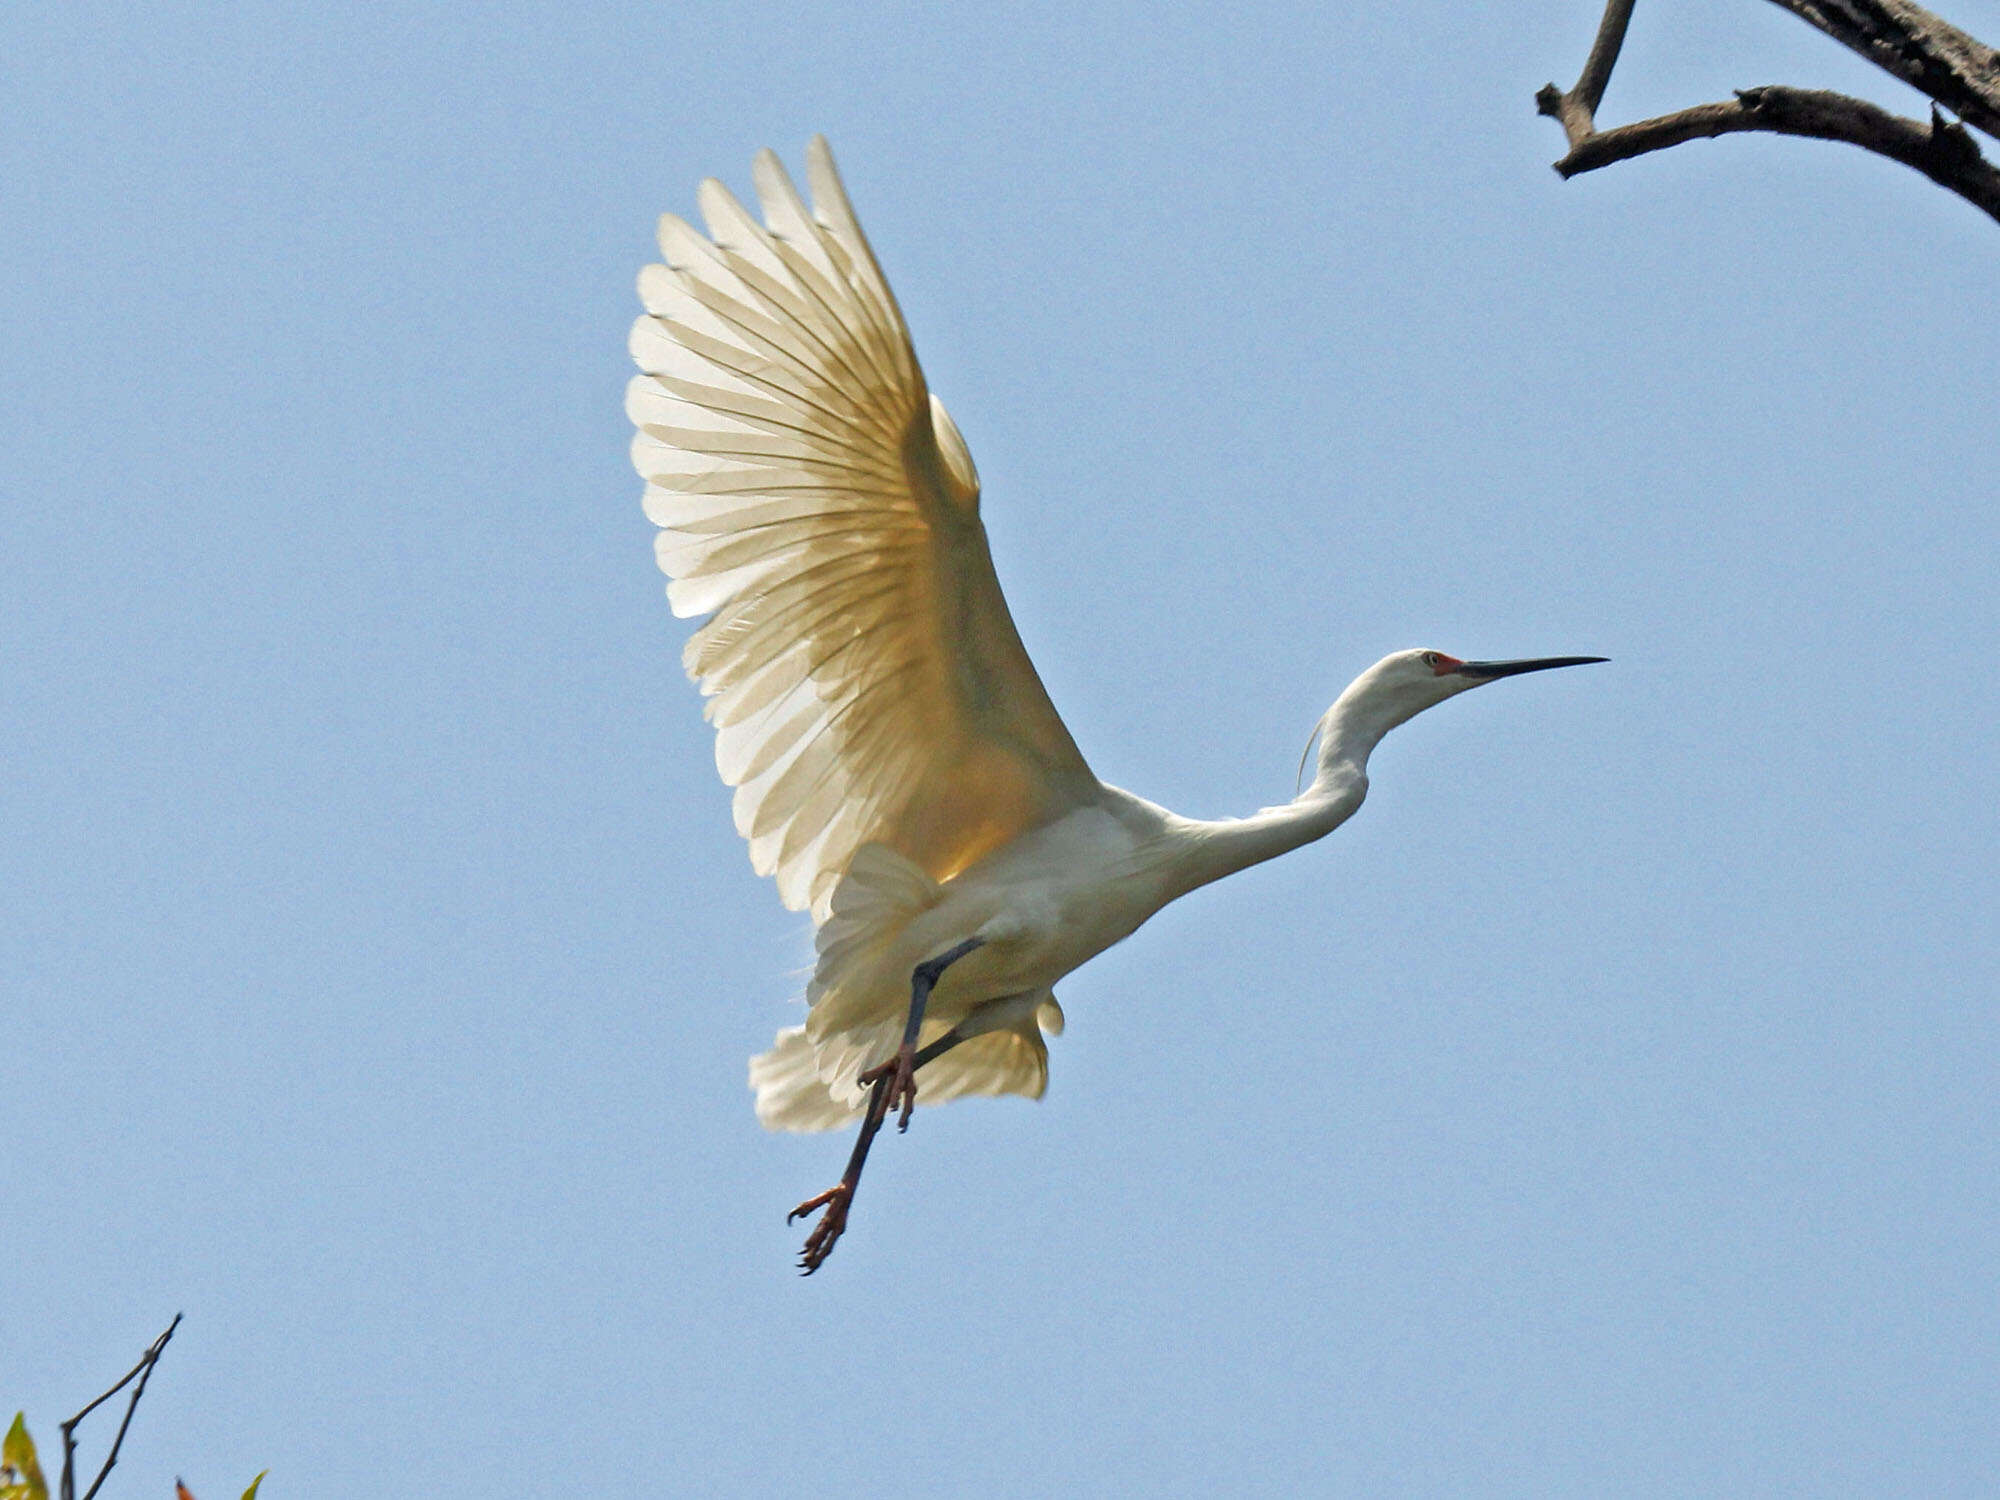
x: 1055, y: 897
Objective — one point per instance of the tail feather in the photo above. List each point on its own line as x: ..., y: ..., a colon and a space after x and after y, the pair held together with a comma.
x: 790, y: 1093
x: 1001, y: 1062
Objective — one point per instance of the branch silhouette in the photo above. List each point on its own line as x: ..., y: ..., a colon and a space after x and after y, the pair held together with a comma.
x: 142, y: 1372
x: 1958, y: 72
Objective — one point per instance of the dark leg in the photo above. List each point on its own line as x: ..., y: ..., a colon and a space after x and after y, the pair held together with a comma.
x: 819, y: 1244
x: 901, y: 1070
x: 836, y: 1199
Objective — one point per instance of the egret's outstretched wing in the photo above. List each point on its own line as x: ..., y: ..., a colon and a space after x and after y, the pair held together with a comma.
x: 864, y: 677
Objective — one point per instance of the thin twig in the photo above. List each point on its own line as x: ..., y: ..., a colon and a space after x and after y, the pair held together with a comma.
x: 1577, y: 109
x: 1945, y: 153
x: 142, y: 1371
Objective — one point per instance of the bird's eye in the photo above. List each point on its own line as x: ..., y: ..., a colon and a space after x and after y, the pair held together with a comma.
x: 1431, y: 660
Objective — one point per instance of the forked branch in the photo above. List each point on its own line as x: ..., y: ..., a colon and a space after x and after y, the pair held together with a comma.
x: 1957, y: 71
x: 141, y: 1372
x: 1577, y: 109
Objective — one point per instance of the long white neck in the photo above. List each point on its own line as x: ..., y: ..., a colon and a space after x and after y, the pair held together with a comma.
x: 1348, y: 732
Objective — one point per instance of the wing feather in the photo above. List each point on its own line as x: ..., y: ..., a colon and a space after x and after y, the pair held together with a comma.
x: 865, y: 680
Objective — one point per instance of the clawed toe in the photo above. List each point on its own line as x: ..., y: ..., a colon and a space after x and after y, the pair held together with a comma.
x: 819, y: 1244
x: 814, y: 1204
x: 901, y: 1073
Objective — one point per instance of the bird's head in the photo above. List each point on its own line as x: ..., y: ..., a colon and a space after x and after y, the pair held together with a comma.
x: 1403, y: 685
x: 1408, y: 682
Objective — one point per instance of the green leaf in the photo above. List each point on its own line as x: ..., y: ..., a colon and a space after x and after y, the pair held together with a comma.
x: 251, y: 1493
x: 17, y: 1452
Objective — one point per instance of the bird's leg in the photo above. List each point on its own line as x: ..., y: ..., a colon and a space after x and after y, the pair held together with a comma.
x: 901, y: 1069
x: 837, y: 1199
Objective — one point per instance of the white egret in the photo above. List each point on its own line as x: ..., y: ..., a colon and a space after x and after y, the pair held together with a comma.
x: 897, y: 763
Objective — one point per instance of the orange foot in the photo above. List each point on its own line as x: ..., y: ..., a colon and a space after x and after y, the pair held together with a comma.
x: 819, y: 1244
x: 901, y: 1072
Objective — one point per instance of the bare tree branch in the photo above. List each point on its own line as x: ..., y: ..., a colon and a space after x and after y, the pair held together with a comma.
x: 142, y: 1371
x: 1930, y: 54
x: 1945, y: 153
x: 1577, y: 109
x: 1956, y: 70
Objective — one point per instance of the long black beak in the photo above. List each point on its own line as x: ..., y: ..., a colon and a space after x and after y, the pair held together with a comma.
x: 1486, y: 670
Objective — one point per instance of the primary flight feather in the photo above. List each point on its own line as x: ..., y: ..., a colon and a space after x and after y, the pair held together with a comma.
x: 864, y: 676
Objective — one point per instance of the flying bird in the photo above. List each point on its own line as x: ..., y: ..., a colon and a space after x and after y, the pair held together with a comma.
x: 898, y: 765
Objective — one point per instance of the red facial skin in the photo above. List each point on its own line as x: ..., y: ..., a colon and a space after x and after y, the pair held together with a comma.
x: 1446, y: 664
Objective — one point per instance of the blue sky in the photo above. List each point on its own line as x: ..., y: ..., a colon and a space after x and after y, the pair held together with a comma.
x: 1607, y: 1109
